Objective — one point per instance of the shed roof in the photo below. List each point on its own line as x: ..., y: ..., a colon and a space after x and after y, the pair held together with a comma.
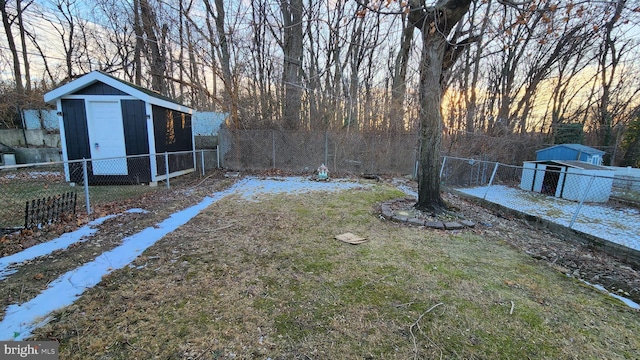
x: 134, y: 90
x: 579, y: 147
x: 574, y: 164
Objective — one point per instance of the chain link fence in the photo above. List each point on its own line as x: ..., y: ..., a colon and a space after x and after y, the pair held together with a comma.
x: 579, y: 196
x: 304, y: 151
x: 37, y: 194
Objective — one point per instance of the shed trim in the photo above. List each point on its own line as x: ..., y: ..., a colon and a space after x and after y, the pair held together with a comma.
x: 571, y: 163
x: 124, y: 86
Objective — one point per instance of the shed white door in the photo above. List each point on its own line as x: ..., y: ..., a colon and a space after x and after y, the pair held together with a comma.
x: 106, y: 137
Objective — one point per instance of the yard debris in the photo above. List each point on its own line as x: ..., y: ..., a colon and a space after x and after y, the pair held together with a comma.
x: 351, y: 238
x: 371, y: 177
x: 323, y: 172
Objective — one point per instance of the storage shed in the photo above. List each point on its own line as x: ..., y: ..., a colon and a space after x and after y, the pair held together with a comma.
x: 571, y: 152
x: 568, y: 180
x: 109, y: 121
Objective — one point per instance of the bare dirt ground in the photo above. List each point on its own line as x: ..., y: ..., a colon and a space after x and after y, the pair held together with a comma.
x: 566, y: 253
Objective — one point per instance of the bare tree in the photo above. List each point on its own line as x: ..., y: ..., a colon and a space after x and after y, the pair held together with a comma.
x: 291, y: 43
x: 20, y: 9
x: 156, y: 36
x: 608, y: 61
x: 399, y: 80
x: 7, y: 21
x: 435, y: 24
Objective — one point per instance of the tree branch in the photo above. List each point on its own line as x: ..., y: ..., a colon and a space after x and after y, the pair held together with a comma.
x: 453, y: 51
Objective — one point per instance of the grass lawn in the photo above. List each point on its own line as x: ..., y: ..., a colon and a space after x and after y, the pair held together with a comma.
x: 258, y: 280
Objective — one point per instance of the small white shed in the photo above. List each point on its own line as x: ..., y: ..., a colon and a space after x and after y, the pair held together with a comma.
x: 568, y: 180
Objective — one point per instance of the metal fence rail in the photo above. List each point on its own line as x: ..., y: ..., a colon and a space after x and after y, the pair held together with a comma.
x: 304, y: 151
x: 565, y: 196
x: 93, y: 181
x: 594, y: 202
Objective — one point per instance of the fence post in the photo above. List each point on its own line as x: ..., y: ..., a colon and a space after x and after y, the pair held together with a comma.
x: 444, y: 160
x: 166, y: 168
x: 326, y: 148
x: 85, y: 180
x: 493, y: 175
x: 584, y: 196
x: 273, y: 148
x: 202, y: 161
x: 218, y: 156
x: 372, y: 154
x: 195, y: 160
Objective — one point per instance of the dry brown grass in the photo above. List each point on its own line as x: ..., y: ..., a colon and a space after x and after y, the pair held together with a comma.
x: 251, y: 280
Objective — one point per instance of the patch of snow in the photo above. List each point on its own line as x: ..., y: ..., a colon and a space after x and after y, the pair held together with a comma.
x: 619, y: 226
x: 405, y: 189
x: 20, y: 320
x: 630, y: 303
x: 47, y: 248
x: 8, y: 263
x: 252, y: 188
x: 137, y: 211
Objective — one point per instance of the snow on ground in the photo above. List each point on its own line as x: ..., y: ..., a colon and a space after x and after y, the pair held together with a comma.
x: 630, y: 303
x: 20, y: 320
x: 620, y: 226
x: 9, y: 263
x: 255, y: 187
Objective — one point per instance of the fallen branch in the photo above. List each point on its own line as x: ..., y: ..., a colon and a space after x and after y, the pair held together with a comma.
x: 416, y: 323
x: 200, y: 183
x: 512, y: 306
x: 219, y: 228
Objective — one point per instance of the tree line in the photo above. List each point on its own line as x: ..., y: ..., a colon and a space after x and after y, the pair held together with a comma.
x: 509, y: 68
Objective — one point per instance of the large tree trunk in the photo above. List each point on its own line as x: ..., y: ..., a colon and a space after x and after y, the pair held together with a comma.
x: 430, y: 124
x: 435, y: 23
